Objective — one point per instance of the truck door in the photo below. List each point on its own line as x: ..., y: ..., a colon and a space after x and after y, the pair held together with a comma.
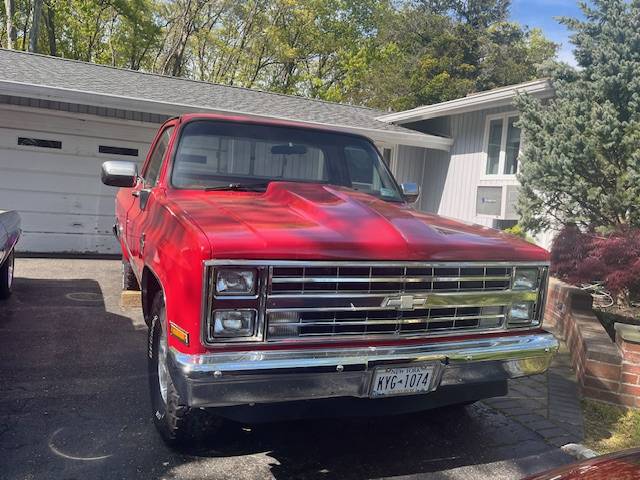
x: 142, y: 192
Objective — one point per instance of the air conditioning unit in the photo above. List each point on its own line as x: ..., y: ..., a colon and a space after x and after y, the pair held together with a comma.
x: 498, y: 201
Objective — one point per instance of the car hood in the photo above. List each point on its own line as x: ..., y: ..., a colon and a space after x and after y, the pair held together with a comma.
x: 312, y: 221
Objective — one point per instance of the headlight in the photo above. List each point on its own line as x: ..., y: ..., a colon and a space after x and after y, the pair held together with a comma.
x: 521, y: 314
x: 235, y: 282
x: 233, y: 323
x: 525, y: 279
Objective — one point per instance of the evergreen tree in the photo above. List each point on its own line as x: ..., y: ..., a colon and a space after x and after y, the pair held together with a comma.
x: 581, y: 158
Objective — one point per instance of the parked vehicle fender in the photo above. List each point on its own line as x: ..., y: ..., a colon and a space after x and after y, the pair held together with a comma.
x: 9, y: 232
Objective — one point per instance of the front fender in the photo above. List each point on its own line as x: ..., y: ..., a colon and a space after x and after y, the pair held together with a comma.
x: 175, y: 249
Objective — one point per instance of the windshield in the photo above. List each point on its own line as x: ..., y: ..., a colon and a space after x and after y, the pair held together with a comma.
x: 214, y: 154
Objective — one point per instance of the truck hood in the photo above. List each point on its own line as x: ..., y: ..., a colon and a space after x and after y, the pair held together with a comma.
x: 312, y: 221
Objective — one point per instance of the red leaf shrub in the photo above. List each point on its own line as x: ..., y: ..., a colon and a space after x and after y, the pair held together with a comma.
x: 613, y: 259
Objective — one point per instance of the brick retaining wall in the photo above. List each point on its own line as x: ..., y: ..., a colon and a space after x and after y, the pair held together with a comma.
x: 605, y: 370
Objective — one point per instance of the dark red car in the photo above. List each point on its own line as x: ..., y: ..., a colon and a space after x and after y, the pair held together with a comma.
x: 9, y: 235
x: 283, y: 269
x: 616, y: 466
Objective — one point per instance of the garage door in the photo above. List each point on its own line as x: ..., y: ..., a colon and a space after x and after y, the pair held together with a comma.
x: 50, y: 173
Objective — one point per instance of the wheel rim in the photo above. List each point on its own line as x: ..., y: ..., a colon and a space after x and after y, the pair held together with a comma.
x: 163, y: 373
x: 10, y: 273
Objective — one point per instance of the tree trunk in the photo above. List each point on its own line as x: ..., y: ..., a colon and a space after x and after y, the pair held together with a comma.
x: 25, y: 28
x: 35, y: 26
x: 51, y: 31
x: 10, y: 8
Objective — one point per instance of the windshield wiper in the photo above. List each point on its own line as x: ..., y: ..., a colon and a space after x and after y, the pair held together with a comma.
x: 239, y: 187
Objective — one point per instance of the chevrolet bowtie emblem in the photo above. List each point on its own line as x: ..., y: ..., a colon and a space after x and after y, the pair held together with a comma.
x: 405, y: 302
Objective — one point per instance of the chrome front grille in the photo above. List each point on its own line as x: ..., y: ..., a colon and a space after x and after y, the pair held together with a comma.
x: 308, y: 300
x: 315, y: 300
x: 371, y: 279
x: 376, y: 322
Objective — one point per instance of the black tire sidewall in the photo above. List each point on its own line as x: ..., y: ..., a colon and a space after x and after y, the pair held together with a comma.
x: 173, y: 419
x: 6, y: 286
x: 179, y: 425
x: 158, y: 406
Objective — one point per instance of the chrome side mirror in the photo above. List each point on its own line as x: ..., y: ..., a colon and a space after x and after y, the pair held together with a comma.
x: 410, y: 192
x: 119, y: 174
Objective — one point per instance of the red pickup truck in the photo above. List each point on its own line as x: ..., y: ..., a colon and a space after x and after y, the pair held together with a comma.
x: 284, y: 273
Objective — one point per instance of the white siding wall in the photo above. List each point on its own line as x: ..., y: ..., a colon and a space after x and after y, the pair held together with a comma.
x: 451, y: 179
x: 466, y: 166
x: 434, y: 180
x: 409, y: 166
x: 426, y: 167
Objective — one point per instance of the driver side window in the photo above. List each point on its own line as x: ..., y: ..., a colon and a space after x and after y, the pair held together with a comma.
x: 155, y: 162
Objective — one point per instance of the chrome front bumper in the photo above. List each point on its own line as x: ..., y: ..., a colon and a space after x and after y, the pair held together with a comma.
x: 270, y: 376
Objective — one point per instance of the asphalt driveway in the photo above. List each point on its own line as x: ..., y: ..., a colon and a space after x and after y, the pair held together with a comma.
x: 74, y: 405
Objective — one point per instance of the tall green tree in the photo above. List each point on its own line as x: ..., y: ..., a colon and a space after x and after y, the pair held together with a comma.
x: 389, y: 54
x: 510, y: 55
x: 445, y: 49
x: 581, y: 158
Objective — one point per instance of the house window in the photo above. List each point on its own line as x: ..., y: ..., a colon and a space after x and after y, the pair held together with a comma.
x: 502, y: 145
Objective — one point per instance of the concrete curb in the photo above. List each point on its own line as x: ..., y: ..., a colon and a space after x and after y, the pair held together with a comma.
x: 130, y: 299
x: 579, y: 451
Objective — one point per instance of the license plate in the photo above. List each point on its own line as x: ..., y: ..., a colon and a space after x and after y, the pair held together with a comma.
x: 401, y: 380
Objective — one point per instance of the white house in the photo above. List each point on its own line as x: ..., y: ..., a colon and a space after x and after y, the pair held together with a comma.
x: 60, y: 119
x: 476, y: 179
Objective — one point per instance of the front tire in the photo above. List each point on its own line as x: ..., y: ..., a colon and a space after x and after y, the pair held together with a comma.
x: 178, y: 424
x: 6, y: 276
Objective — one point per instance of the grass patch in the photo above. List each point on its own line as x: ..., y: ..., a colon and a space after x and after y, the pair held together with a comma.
x: 609, y: 428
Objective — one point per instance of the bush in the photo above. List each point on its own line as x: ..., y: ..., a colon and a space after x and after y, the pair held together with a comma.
x: 569, y: 250
x: 586, y: 257
x: 518, y: 231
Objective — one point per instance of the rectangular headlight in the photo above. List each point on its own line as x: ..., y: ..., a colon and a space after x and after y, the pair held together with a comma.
x: 233, y: 323
x: 525, y: 278
x: 521, y: 314
x: 232, y: 281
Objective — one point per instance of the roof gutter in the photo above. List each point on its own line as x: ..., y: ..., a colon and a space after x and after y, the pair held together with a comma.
x: 58, y: 94
x: 492, y: 98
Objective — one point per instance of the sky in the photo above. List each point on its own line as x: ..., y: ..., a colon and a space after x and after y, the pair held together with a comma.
x: 541, y: 13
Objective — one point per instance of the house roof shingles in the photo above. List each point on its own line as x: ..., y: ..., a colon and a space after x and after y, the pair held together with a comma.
x: 54, y: 72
